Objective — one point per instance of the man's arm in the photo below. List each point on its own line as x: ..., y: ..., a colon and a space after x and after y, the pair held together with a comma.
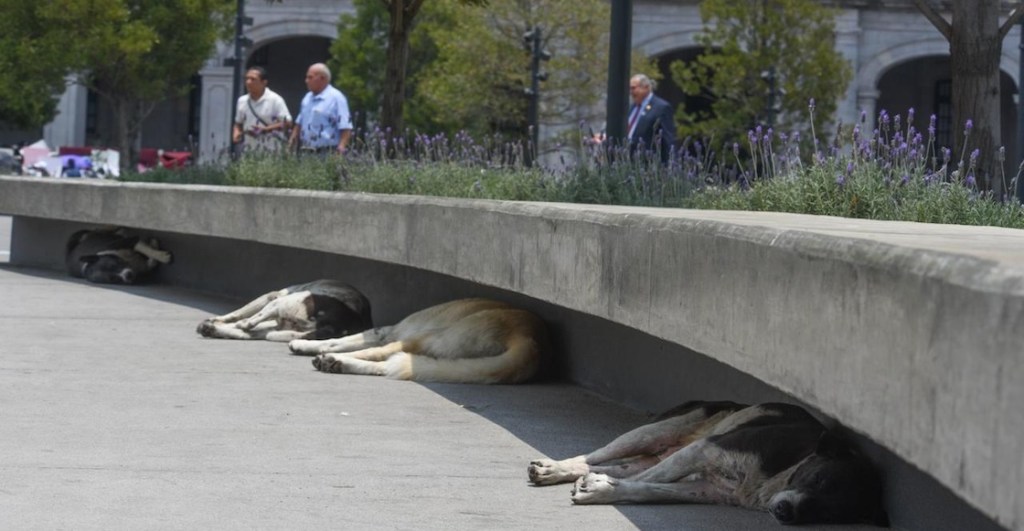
x: 346, y: 135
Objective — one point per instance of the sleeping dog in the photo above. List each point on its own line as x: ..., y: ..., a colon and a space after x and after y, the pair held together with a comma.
x: 769, y: 457
x: 318, y: 310
x: 463, y: 341
x: 112, y: 256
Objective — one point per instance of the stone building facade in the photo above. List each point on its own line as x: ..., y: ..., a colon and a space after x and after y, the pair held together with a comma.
x: 900, y: 61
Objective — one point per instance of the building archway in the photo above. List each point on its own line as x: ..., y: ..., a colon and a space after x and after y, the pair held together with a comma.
x: 286, y: 61
x: 924, y: 84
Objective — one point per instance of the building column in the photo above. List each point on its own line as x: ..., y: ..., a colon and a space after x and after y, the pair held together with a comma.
x: 848, y: 34
x: 68, y: 126
x: 215, y: 113
x: 867, y: 101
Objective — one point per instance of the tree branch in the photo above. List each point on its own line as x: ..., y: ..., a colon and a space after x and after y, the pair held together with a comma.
x: 935, y: 18
x: 1015, y: 16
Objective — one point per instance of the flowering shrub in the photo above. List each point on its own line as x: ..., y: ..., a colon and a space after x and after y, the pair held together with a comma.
x: 893, y: 172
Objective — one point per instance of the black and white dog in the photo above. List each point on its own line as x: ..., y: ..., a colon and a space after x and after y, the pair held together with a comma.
x: 113, y: 256
x: 769, y: 457
x: 320, y: 309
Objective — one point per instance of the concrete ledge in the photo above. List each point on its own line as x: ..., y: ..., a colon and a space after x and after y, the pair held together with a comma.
x: 908, y: 333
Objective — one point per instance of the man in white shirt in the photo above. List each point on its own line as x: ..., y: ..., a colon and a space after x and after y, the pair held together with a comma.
x: 262, y: 119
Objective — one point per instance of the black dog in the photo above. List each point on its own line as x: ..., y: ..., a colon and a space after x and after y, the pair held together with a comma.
x: 770, y: 457
x: 113, y: 256
x: 320, y: 309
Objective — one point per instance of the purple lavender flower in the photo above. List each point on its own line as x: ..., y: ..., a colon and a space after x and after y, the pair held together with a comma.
x: 971, y: 182
x: 840, y: 179
x: 863, y: 116
x: 910, y: 115
x: 810, y: 105
x: 736, y: 149
x: 968, y: 126
x: 974, y: 156
x: 905, y: 180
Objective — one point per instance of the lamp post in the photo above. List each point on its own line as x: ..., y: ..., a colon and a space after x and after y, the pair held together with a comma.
x: 620, y: 46
x: 238, y: 62
x: 1020, y: 112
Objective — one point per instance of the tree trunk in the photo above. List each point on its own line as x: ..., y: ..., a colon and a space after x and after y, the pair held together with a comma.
x: 129, y: 115
x: 401, y: 14
x: 975, y: 46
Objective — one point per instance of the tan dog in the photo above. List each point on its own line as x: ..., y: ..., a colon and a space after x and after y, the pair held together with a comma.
x: 463, y: 341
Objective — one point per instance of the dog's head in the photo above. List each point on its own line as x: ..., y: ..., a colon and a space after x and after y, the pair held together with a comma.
x: 331, y: 317
x: 836, y: 484
x: 107, y: 269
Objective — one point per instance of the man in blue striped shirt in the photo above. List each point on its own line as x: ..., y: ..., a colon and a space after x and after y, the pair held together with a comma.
x: 324, y: 124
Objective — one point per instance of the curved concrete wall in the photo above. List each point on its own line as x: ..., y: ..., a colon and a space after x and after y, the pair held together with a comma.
x: 907, y: 333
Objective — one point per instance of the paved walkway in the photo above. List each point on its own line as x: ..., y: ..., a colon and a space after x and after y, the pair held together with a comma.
x: 114, y: 414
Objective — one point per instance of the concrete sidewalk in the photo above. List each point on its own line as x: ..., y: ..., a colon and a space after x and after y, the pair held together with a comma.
x: 114, y: 414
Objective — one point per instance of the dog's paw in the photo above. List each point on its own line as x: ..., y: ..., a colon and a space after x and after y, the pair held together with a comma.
x: 551, y: 472
x: 594, y: 489
x: 207, y: 328
x: 328, y: 363
x: 304, y: 347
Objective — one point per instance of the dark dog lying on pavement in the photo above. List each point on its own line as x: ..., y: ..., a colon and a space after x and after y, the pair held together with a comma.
x: 113, y: 256
x: 319, y: 309
x: 462, y: 341
x: 769, y: 457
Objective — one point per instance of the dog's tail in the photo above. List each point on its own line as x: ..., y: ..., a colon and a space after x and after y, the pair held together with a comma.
x: 518, y: 363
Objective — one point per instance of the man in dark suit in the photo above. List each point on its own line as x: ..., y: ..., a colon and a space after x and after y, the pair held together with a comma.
x: 651, y: 124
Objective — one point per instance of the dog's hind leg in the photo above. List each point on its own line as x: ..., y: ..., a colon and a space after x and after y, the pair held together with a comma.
x: 595, y: 489
x: 360, y: 341
x: 251, y: 308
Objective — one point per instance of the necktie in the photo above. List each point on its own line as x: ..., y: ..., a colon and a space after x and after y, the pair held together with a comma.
x: 632, y: 120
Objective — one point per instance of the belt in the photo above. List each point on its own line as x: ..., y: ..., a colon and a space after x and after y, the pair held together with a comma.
x: 324, y: 149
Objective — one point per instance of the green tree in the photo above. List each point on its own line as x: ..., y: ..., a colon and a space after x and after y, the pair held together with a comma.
x: 482, y: 67
x: 35, y: 58
x: 754, y: 52
x: 360, y: 49
x: 137, y: 53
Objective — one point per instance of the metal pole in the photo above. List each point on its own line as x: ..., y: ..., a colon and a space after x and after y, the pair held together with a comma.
x: 1020, y: 113
x: 535, y: 93
x: 620, y: 47
x: 239, y: 62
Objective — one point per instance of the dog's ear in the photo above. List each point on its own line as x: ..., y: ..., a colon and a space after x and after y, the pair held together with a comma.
x: 831, y: 445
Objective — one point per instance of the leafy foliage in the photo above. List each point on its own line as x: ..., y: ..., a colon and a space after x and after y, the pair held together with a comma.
x: 360, y: 50
x: 35, y: 58
x: 747, y: 43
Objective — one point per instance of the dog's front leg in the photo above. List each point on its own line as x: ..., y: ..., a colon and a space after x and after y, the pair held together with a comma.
x: 594, y: 489
x: 153, y: 253
x: 360, y: 341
